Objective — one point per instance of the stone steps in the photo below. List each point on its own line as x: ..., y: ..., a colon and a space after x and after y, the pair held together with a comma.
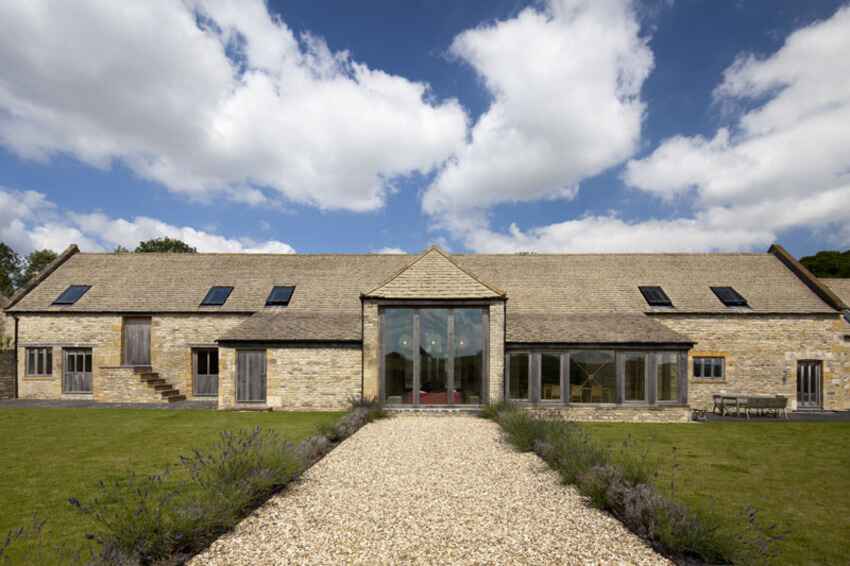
x: 168, y: 392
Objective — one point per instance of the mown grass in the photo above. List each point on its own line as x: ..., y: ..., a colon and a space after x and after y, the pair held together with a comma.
x: 797, y: 475
x: 50, y: 455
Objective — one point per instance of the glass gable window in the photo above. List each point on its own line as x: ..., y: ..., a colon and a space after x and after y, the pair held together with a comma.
x: 667, y: 377
x: 593, y: 377
x: 216, y: 296
x: 71, y: 295
x: 280, y: 296
x: 634, y: 376
x: 433, y: 356
x: 708, y: 367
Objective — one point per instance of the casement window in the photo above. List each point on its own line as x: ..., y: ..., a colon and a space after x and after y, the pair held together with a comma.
x: 730, y: 297
x: 709, y: 367
x: 280, y: 296
x: 655, y: 296
x: 216, y: 296
x: 71, y: 295
x: 40, y: 361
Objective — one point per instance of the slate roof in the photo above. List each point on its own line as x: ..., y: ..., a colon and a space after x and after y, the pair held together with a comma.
x: 590, y: 328
x: 840, y: 287
x: 326, y: 303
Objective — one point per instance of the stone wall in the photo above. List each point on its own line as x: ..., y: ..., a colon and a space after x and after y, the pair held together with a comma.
x: 123, y: 385
x: 496, y: 378
x: 317, y: 377
x: 621, y: 413
x: 172, y: 340
x: 761, y: 353
x: 7, y: 374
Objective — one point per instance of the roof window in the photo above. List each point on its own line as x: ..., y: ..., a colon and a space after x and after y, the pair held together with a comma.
x: 216, y: 296
x: 71, y: 295
x: 280, y: 296
x: 655, y: 296
x: 730, y: 297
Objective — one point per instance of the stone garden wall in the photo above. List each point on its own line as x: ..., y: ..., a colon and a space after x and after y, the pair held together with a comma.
x: 7, y: 374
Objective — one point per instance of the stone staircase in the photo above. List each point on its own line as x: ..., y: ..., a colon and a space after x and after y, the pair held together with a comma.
x: 153, y: 380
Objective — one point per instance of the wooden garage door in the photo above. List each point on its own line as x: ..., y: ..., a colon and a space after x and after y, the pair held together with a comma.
x: 251, y: 376
x: 137, y: 341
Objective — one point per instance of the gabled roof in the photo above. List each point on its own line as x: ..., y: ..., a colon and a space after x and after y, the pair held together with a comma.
x: 283, y: 325
x: 841, y: 287
x: 434, y: 275
x: 536, y: 283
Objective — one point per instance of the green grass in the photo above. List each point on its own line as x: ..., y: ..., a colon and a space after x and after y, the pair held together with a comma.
x: 49, y: 455
x: 796, y: 474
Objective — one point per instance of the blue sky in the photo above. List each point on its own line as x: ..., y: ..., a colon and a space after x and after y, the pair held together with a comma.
x: 482, y: 126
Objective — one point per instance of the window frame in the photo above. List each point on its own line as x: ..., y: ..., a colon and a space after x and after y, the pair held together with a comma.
x: 530, y: 384
x: 270, y: 303
x: 47, y: 362
x: 196, y: 355
x: 645, y: 290
x: 737, y: 300
x: 681, y: 379
x: 87, y: 355
x: 621, y: 376
x: 207, y: 301
x: 59, y: 301
x: 702, y: 359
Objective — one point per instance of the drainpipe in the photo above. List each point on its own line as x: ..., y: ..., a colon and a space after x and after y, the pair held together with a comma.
x: 15, y: 318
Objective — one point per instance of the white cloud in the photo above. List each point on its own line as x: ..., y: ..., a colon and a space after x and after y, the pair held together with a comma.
x: 389, y: 251
x: 786, y: 162
x: 565, y: 82
x: 30, y: 221
x: 213, y: 96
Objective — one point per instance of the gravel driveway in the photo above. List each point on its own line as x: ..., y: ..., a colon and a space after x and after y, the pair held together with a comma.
x: 429, y: 490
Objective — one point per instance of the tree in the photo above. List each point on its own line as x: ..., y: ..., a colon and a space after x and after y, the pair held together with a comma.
x: 828, y: 263
x: 35, y: 264
x: 121, y: 250
x: 10, y: 269
x: 169, y: 245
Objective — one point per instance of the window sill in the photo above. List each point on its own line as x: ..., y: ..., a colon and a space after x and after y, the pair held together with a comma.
x: 38, y: 378
x: 711, y: 381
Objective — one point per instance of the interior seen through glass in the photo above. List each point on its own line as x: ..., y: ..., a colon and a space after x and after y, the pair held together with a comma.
x: 667, y: 377
x: 451, y: 363
x: 634, y: 366
x: 550, y: 377
x: 518, y: 386
x: 593, y: 377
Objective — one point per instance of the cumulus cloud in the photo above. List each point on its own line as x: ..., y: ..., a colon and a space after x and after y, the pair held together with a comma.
x: 214, y: 97
x: 30, y: 221
x: 389, y: 251
x: 565, y: 81
x: 786, y: 161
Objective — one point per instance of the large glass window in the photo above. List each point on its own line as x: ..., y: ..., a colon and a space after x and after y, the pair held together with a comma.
x: 593, y: 377
x: 634, y: 376
x: 433, y: 356
x: 469, y: 355
x: 550, y: 377
x: 518, y: 386
x: 398, y: 355
x: 667, y: 377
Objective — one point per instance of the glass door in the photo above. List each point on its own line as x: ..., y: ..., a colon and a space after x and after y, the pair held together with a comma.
x: 434, y: 357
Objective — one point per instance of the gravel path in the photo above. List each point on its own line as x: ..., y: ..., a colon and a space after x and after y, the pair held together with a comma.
x: 428, y: 490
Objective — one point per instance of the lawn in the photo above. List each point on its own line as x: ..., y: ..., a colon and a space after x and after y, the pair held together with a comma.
x: 796, y: 474
x: 49, y: 455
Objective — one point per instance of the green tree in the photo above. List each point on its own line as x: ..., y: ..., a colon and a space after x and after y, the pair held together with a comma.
x: 169, y: 245
x: 828, y: 263
x: 10, y: 269
x: 35, y: 264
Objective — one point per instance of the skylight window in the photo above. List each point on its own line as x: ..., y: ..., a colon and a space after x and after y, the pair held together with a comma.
x: 729, y: 297
x: 280, y: 296
x: 656, y: 297
x: 71, y: 295
x: 216, y: 296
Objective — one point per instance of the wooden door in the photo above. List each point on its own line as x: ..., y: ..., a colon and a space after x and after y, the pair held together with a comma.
x: 809, y: 384
x: 205, y: 362
x: 137, y: 341
x: 76, y: 377
x: 251, y: 376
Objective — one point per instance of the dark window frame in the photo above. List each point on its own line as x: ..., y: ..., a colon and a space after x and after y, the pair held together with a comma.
x: 36, y: 354
x: 86, y: 355
x: 730, y: 297
x: 65, y: 297
x: 207, y: 354
x: 655, y: 296
x: 272, y: 302
x: 700, y: 361
x: 208, y: 298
